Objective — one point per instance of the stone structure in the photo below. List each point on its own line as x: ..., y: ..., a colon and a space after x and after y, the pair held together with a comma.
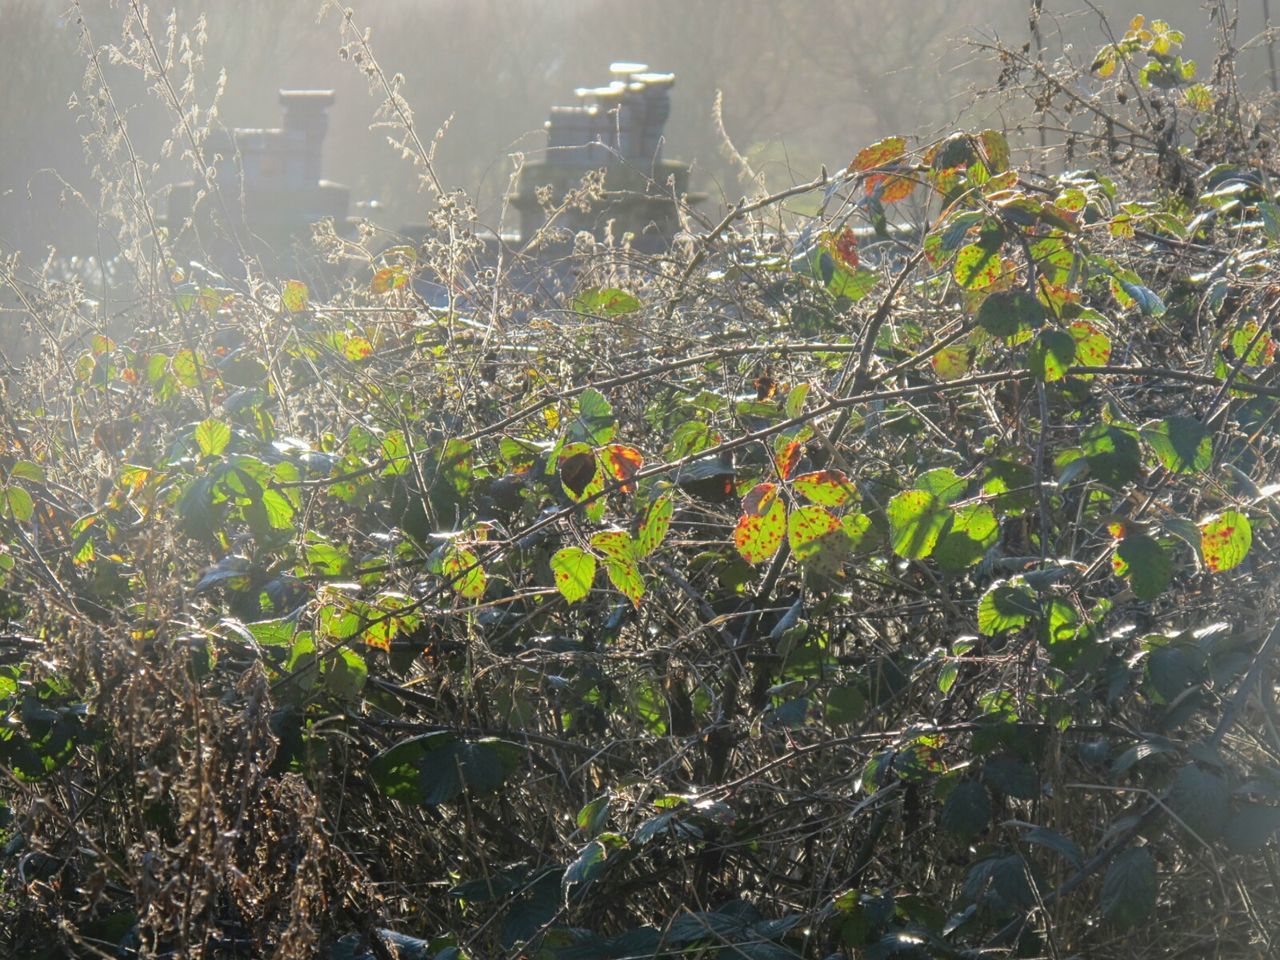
x: 617, y: 127
x: 269, y: 182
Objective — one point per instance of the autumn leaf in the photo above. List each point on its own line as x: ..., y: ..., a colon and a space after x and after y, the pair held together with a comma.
x: 762, y: 525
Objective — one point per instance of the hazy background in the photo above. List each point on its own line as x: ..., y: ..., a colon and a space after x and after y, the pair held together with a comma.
x: 804, y: 82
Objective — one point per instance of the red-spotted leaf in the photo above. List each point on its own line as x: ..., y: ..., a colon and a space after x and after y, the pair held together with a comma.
x: 657, y: 520
x: 762, y: 525
x: 817, y: 539
x: 878, y: 154
x: 615, y: 544
x: 786, y: 456
x: 462, y: 568
x: 1051, y: 354
x: 356, y: 348
x: 1093, y: 347
x: 574, y: 570
x: 623, y: 462
x: 294, y: 296
x: 831, y: 488
x: 978, y: 266
x: 1225, y: 540
x: 580, y: 471
x: 626, y: 577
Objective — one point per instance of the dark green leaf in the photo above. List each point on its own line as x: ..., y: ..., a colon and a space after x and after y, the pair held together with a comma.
x: 967, y: 810
x: 1129, y: 888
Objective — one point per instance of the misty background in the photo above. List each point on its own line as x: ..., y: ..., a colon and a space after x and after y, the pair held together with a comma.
x: 804, y: 83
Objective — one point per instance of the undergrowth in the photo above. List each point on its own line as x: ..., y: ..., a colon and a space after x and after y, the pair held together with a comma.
x: 839, y: 591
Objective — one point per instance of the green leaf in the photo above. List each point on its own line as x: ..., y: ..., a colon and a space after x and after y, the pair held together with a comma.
x: 1055, y: 841
x: 967, y: 810
x: 1129, y: 888
x: 1225, y: 540
x: 943, y: 482
x: 18, y: 503
x: 1051, y: 354
x: 1145, y: 563
x: 1007, y: 605
x: 916, y: 520
x: 1201, y: 800
x: 345, y: 674
x: 574, y: 570
x: 593, y: 817
x: 212, y: 436
x: 1182, y: 444
x: 657, y: 520
x: 1250, y: 827
x: 595, y: 421
x: 607, y: 302
x: 294, y: 296
x: 965, y: 540
x: 1113, y: 453
x: 437, y: 767
x: 187, y: 368
x: 1011, y: 314
x: 26, y: 470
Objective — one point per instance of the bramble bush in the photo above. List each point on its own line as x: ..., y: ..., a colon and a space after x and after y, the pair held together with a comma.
x: 839, y: 591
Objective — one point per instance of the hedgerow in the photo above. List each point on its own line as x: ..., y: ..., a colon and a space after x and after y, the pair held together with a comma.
x: 841, y: 590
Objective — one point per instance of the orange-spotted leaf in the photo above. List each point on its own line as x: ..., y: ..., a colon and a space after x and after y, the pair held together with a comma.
x: 580, y: 471
x: 1225, y: 540
x: 817, y: 539
x: 294, y: 296
x: 615, y: 545
x: 889, y: 188
x: 388, y: 279
x: 574, y: 570
x: 623, y: 462
x: 786, y: 456
x: 657, y: 520
x: 762, y: 525
x: 878, y: 154
x: 831, y: 488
